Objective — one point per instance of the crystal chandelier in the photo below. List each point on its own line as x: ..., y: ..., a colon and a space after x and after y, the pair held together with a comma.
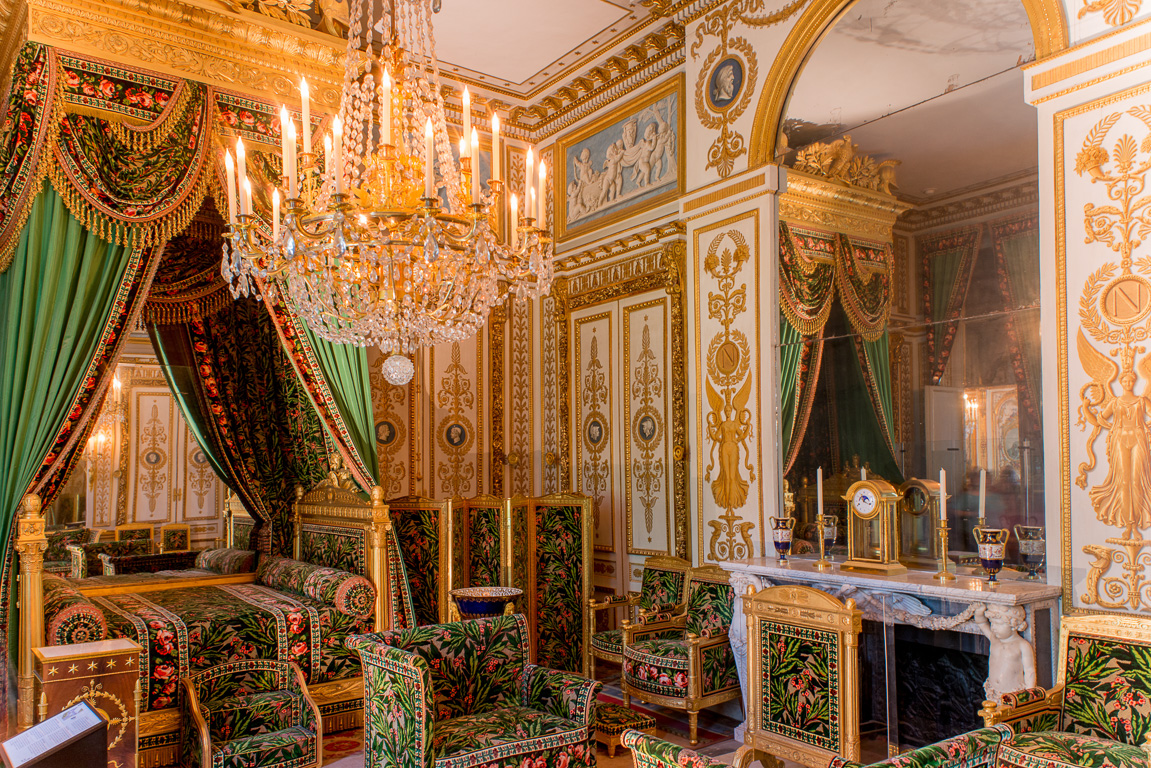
x: 384, y: 239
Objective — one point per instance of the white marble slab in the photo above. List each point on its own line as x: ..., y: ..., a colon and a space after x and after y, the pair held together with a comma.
x: 1012, y: 588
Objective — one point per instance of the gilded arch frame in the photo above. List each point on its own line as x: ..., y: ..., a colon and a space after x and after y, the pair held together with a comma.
x: 1048, y: 29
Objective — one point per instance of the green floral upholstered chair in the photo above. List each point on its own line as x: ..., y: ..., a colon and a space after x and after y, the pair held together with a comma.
x: 974, y: 749
x: 651, y: 752
x: 1098, y: 713
x: 56, y: 557
x: 175, y: 537
x: 803, y: 677
x: 464, y: 694
x: 661, y: 591
x: 684, y: 661
x: 253, y: 712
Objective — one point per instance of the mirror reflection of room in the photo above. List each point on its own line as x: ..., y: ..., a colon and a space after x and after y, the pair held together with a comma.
x: 922, y: 353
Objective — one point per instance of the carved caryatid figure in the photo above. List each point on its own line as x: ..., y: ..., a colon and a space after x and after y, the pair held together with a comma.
x: 1123, y: 499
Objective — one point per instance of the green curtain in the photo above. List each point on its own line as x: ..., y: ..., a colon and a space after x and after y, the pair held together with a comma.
x: 345, y: 369
x: 863, y: 400
x: 1017, y: 249
x: 59, y: 298
x: 948, y: 262
x: 799, y: 365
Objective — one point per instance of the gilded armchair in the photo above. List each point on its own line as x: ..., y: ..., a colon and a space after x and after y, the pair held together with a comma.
x: 1100, y: 708
x: 684, y: 661
x: 803, y: 677
x: 661, y: 591
x: 463, y: 694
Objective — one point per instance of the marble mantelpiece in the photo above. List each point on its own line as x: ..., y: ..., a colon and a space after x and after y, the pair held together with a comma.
x: 914, y: 598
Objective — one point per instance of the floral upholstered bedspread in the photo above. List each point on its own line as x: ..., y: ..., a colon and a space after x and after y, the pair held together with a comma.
x: 185, y: 630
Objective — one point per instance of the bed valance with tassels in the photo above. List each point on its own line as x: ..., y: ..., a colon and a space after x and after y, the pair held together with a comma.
x: 130, y: 151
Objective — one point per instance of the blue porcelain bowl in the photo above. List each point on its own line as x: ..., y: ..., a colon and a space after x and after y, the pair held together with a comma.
x: 483, y: 602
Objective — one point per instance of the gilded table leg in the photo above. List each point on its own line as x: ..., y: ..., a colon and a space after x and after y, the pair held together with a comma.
x: 693, y: 721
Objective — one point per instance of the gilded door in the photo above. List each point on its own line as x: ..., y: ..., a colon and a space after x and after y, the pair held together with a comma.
x: 620, y: 424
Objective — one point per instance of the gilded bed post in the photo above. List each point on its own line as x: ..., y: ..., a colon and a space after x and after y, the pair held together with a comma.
x: 297, y: 528
x: 30, y: 546
x: 506, y: 543
x: 378, y: 570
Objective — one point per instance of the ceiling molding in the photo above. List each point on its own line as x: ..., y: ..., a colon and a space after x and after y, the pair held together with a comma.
x: 622, y: 246
x: 1018, y: 191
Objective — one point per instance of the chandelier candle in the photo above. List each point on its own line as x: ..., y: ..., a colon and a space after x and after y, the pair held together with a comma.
x: 467, y: 121
x: 293, y: 177
x: 515, y: 220
x: 495, y: 147
x: 242, y: 170
x: 541, y: 197
x: 338, y: 152
x: 429, y: 161
x: 386, y: 108
x: 306, y: 109
x: 230, y: 168
x: 246, y: 200
x: 475, y: 158
x: 529, y: 210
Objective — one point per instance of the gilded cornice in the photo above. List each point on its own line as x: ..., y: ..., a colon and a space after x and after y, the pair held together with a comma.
x: 627, y: 244
x: 1020, y: 192
x: 240, y: 51
x: 834, y: 205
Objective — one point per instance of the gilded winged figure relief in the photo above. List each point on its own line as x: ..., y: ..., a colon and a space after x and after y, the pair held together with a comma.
x: 729, y: 434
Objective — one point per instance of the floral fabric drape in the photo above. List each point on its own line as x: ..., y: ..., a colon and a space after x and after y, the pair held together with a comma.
x: 948, y: 261
x: 231, y: 356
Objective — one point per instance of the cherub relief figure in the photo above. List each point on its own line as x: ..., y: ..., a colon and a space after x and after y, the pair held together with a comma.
x: 1011, y: 663
x: 1123, y: 499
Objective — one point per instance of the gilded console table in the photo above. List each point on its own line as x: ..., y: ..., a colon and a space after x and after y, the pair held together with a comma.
x: 916, y: 599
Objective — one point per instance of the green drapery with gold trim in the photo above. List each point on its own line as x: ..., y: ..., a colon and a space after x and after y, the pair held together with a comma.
x: 66, y: 300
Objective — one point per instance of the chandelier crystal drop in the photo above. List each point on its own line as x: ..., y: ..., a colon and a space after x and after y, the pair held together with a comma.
x: 385, y: 238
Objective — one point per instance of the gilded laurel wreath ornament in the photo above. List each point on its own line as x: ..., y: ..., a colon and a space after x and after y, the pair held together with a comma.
x: 728, y: 75
x: 1115, y: 311
x: 729, y: 419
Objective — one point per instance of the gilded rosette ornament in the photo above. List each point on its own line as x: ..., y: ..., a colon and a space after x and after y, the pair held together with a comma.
x: 1115, y: 312
x: 728, y: 385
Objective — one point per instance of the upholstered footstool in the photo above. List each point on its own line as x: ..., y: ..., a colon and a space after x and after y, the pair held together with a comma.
x: 611, y: 720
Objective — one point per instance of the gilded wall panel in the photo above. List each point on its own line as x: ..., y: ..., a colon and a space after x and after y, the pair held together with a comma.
x: 390, y: 410
x: 1103, y: 152
x: 647, y: 460
x: 154, y: 453
x: 593, y: 426
x: 521, y: 429
x: 456, y: 419
x: 728, y: 366
x: 549, y: 397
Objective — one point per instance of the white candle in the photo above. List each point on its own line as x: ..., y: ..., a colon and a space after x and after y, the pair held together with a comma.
x: 943, y: 496
x: 241, y: 171
x: 306, y: 106
x: 275, y: 215
x: 530, y: 203
x: 863, y: 473
x: 386, y: 109
x: 292, y: 170
x: 327, y: 153
x: 284, y: 139
x: 982, y: 494
x: 467, y: 114
x: 819, y: 489
x: 514, y: 234
x: 475, y: 166
x: 529, y: 174
x: 542, y: 198
x: 230, y: 167
x: 338, y: 152
x: 429, y: 161
x: 495, y: 147
x: 246, y: 202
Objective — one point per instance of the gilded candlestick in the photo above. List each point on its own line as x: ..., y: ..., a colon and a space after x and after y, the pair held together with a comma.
x: 943, y: 574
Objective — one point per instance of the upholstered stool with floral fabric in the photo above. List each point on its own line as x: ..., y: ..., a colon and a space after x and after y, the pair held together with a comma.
x: 611, y: 720
x: 255, y: 712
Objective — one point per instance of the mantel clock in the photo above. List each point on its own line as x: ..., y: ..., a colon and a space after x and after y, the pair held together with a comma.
x: 919, y: 522
x: 872, y: 541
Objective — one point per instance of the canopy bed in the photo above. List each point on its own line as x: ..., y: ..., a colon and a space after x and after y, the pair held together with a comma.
x: 345, y: 580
